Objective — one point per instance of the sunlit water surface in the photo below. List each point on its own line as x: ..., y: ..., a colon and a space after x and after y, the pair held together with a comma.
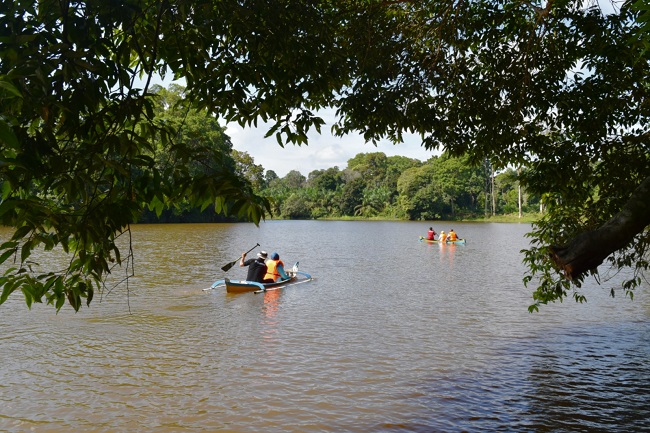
x: 393, y: 335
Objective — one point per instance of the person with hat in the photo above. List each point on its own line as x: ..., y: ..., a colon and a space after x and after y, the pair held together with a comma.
x: 256, y: 267
x: 275, y: 269
x: 443, y: 236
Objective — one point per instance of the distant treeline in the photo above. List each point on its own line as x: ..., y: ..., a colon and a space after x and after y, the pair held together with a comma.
x: 372, y: 184
x: 397, y: 187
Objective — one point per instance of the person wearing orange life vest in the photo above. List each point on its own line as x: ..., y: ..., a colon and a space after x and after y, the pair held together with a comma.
x: 275, y: 269
x: 431, y: 234
x: 452, y: 236
x: 443, y: 236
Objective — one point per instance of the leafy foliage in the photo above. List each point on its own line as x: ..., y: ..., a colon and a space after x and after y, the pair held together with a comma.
x: 442, y: 188
x: 84, y: 151
x: 559, y: 88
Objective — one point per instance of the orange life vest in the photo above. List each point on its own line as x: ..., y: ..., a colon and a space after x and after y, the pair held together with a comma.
x: 452, y: 236
x: 272, y: 269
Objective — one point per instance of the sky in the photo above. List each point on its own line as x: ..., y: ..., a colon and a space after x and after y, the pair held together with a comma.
x: 323, y: 150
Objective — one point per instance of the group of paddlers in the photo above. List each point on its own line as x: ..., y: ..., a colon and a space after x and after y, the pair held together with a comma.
x: 444, y: 237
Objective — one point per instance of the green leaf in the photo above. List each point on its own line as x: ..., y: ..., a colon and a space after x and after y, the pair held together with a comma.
x: 7, y: 135
x: 7, y: 254
x: 10, y: 88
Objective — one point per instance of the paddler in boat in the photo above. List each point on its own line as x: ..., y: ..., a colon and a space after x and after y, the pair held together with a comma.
x: 452, y: 236
x: 275, y: 269
x: 256, y: 267
x: 431, y: 234
x: 443, y: 237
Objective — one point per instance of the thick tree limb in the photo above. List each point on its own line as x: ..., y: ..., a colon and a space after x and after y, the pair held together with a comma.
x: 588, y: 250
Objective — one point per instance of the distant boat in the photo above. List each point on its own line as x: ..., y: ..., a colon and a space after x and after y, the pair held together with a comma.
x: 435, y: 241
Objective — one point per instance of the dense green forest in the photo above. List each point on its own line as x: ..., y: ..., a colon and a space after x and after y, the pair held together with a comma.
x: 372, y: 185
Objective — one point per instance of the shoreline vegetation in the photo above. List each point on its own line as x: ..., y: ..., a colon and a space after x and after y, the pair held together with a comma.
x: 376, y: 186
x: 509, y: 218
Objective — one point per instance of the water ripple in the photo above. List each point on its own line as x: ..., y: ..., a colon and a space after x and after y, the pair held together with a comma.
x: 392, y: 336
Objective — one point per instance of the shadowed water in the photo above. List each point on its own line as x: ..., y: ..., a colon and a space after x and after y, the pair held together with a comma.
x: 393, y: 335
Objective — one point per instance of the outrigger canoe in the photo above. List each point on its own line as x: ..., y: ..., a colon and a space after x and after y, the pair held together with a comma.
x: 243, y: 286
x: 435, y: 241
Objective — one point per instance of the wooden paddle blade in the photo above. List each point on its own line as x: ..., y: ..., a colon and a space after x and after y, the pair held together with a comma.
x: 227, y: 267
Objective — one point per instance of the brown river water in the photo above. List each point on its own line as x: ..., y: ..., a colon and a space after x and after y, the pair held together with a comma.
x: 393, y: 335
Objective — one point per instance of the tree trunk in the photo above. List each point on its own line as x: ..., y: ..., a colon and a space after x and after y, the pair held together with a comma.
x: 494, y: 199
x: 519, y: 202
x: 485, y: 207
x: 519, y: 190
x: 589, y: 249
x: 487, y: 188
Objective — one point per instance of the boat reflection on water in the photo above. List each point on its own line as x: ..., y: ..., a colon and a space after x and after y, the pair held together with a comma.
x: 269, y: 322
x: 271, y: 304
x: 447, y: 252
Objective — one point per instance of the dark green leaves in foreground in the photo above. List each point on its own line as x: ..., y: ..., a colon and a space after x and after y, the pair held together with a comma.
x: 83, y: 151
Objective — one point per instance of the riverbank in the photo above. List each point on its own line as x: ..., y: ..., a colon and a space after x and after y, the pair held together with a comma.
x: 511, y: 218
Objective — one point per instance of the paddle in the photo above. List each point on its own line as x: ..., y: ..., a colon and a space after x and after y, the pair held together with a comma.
x: 227, y: 267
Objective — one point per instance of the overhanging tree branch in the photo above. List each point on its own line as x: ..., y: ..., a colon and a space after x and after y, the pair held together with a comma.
x: 589, y: 249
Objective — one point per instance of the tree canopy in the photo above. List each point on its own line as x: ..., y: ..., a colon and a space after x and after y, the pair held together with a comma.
x: 558, y: 87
